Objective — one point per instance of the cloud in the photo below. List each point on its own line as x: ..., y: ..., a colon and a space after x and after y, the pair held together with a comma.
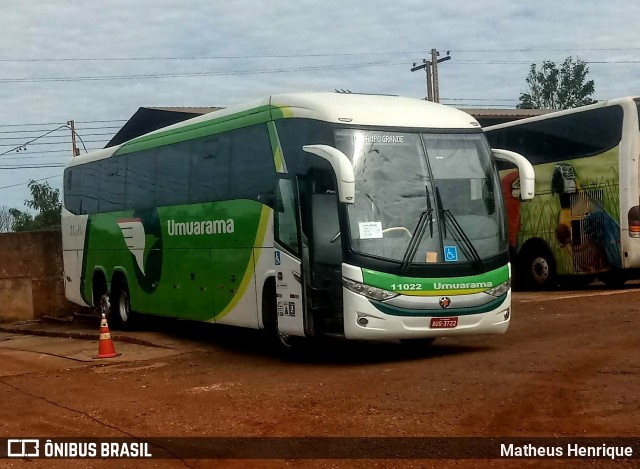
x: 479, y: 35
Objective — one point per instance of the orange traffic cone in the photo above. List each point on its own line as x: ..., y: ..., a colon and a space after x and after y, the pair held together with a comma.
x: 106, y: 348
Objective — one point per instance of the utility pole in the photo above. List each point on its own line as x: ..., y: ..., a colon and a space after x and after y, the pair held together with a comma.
x: 434, y: 64
x: 431, y: 68
x: 74, y: 148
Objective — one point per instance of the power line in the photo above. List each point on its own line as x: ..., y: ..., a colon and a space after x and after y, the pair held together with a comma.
x: 510, y: 62
x: 24, y: 145
x: 592, y: 49
x: 37, y: 131
x: 26, y: 183
x: 211, y: 57
x: 197, y: 74
x: 33, y: 166
x: 63, y: 123
x: 47, y: 143
x: 278, y: 70
x: 291, y: 56
x: 64, y: 154
x: 56, y: 136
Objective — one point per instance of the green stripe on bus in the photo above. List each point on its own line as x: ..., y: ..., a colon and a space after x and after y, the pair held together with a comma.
x: 276, y: 149
x: 436, y: 286
x: 249, y: 273
x: 258, y: 115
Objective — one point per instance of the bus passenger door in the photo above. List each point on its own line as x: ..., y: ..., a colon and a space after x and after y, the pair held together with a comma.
x: 288, y: 258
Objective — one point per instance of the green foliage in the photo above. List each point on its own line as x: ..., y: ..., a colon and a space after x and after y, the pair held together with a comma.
x: 551, y: 87
x: 45, y: 200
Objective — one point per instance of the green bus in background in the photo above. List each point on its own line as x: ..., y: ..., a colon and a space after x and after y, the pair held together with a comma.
x: 584, y: 221
x: 320, y: 214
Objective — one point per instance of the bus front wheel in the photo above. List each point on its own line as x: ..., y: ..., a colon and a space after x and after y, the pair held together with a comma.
x: 417, y: 345
x: 285, y: 344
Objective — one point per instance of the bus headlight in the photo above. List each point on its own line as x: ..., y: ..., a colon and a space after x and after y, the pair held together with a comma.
x: 368, y: 291
x: 500, y: 289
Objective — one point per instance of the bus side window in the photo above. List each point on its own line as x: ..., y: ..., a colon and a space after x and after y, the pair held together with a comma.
x: 140, y: 191
x: 172, y: 184
x: 112, y: 184
x: 209, y: 179
x: 253, y: 171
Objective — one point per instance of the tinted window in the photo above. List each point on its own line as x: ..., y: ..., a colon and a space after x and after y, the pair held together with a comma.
x: 237, y: 164
x: 209, y: 180
x: 562, y: 138
x: 141, y: 176
x: 111, y: 187
x: 253, y: 172
x: 172, y: 181
x: 294, y: 133
x: 72, y: 189
x: 89, y: 180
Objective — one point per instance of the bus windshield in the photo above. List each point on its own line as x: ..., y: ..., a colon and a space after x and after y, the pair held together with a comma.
x: 439, y: 188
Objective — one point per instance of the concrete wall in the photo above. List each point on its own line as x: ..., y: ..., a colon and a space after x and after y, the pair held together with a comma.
x: 31, y: 276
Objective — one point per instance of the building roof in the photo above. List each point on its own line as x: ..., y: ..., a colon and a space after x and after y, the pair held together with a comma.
x: 148, y: 119
x: 488, y: 117
x: 511, y: 113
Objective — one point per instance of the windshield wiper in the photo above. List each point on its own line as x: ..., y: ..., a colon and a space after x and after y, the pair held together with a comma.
x: 416, y: 237
x: 447, y: 215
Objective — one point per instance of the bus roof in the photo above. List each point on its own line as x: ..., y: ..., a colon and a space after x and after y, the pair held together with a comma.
x: 375, y: 110
x: 344, y: 108
x: 627, y: 100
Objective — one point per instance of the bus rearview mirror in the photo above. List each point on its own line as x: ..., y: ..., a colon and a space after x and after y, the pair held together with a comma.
x: 525, y: 170
x: 341, y: 167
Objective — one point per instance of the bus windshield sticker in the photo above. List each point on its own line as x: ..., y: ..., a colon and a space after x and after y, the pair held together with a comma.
x: 450, y: 253
x: 432, y: 257
x: 370, y: 229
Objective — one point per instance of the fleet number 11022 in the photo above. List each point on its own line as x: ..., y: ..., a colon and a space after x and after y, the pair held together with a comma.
x: 406, y: 286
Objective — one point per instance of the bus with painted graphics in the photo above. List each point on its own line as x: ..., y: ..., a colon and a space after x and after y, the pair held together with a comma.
x: 584, y: 221
x: 364, y: 217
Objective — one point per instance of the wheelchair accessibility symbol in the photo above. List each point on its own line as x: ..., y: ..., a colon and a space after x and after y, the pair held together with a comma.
x: 450, y: 253
x: 277, y: 257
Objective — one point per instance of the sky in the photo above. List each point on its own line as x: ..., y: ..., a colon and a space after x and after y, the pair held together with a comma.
x: 97, y: 62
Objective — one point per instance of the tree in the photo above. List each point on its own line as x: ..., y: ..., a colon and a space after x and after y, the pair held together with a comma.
x: 6, y: 220
x: 45, y: 200
x: 553, y: 88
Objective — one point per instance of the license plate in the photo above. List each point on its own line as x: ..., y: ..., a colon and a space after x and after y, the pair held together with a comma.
x: 444, y: 323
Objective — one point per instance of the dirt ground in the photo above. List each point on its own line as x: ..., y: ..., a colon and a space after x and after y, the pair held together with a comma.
x: 568, y: 366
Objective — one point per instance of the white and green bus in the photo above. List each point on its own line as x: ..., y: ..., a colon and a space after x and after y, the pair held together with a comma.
x: 356, y: 216
x: 584, y: 221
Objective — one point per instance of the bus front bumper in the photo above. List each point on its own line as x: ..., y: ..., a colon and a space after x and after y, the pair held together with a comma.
x: 364, y: 321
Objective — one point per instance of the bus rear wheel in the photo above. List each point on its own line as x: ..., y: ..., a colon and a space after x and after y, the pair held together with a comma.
x: 538, y: 269
x: 613, y: 279
x: 121, y: 314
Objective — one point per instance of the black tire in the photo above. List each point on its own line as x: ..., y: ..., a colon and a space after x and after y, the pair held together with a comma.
x: 537, y: 269
x: 285, y: 345
x: 288, y: 344
x: 417, y: 345
x: 577, y: 282
x: 613, y: 279
x: 121, y: 316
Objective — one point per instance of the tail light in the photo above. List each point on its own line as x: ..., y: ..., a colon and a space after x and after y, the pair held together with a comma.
x: 634, y: 221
